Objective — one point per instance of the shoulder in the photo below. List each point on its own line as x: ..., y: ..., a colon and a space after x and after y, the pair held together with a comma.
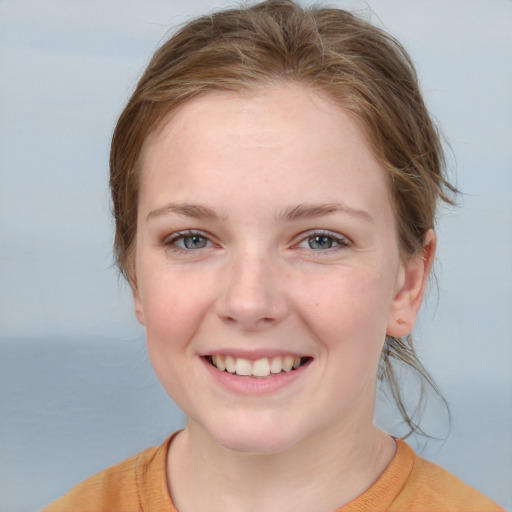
x: 431, y: 488
x: 127, y: 486
x: 413, y: 484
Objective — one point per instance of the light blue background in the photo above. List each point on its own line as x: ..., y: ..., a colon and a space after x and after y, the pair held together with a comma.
x: 76, y: 390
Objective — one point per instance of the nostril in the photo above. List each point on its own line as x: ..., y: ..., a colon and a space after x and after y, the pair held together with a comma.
x: 247, y: 322
x: 250, y: 312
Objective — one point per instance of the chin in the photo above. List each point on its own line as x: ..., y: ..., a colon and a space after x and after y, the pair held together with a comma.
x: 258, y: 444
x: 254, y: 437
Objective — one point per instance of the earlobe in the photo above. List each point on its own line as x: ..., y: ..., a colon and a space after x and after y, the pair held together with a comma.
x: 137, y: 301
x: 137, y: 304
x: 409, y: 296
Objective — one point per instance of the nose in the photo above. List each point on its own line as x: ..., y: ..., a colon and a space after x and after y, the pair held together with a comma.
x: 252, y: 297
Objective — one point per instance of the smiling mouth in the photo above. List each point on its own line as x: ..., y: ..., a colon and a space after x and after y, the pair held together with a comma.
x: 260, y: 368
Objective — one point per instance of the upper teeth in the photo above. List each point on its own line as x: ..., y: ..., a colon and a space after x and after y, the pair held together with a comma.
x: 259, y: 368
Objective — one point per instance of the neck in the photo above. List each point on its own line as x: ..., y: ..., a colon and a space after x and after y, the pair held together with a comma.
x: 321, y: 473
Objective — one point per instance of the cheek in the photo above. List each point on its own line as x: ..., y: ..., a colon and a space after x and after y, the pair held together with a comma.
x: 348, y: 311
x: 174, y: 309
x: 174, y: 306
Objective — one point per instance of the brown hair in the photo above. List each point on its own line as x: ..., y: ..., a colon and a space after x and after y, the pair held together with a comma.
x: 337, y: 54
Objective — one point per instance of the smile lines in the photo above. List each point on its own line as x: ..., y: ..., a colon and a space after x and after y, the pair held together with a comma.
x: 260, y: 368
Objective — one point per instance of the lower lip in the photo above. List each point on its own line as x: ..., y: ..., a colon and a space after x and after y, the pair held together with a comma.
x: 255, y: 385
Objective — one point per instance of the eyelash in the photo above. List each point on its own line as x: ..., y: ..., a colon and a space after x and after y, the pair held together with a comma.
x: 171, y: 241
x: 340, y: 241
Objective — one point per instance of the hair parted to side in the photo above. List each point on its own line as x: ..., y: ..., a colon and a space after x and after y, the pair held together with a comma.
x: 331, y: 51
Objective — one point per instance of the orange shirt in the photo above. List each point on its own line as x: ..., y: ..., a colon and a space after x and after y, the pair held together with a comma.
x: 409, y: 484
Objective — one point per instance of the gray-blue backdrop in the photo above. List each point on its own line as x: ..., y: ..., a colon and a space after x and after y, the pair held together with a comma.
x: 76, y: 390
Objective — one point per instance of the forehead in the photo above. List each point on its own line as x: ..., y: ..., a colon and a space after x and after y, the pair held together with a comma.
x: 285, y: 134
x: 269, y: 106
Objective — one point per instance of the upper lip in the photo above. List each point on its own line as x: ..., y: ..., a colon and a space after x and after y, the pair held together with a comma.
x: 252, y: 355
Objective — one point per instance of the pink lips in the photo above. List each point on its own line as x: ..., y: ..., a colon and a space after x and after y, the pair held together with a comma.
x: 254, y: 385
x: 251, y: 354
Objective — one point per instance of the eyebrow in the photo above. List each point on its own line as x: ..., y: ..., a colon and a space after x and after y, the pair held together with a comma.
x: 306, y: 211
x: 301, y: 211
x: 195, y: 211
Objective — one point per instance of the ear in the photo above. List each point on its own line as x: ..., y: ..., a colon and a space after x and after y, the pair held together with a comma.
x: 411, y: 289
x: 138, y: 306
x: 132, y: 281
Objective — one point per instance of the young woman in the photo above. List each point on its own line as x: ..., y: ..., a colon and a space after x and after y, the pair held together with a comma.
x: 275, y: 177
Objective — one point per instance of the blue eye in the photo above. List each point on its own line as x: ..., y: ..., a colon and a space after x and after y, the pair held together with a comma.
x: 188, y: 240
x: 322, y: 241
x: 194, y: 242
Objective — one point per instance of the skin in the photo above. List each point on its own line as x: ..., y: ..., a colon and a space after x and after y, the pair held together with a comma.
x: 265, y: 174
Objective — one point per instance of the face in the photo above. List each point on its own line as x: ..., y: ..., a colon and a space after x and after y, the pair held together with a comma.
x: 267, y: 267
